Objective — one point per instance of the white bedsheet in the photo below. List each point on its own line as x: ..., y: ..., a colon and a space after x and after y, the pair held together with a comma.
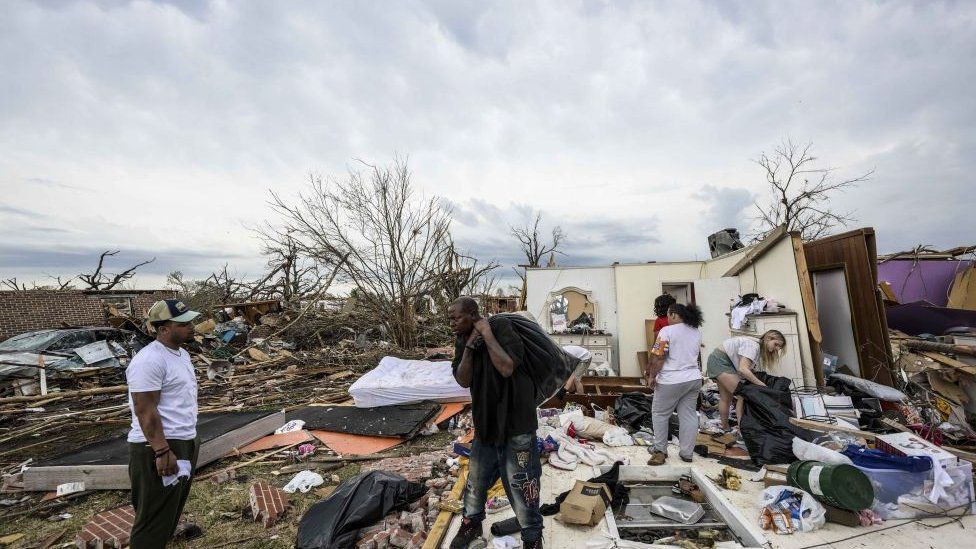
x: 399, y: 381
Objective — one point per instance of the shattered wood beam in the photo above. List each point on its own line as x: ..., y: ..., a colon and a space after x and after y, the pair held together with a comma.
x: 950, y: 362
x: 66, y: 394
x: 923, y: 345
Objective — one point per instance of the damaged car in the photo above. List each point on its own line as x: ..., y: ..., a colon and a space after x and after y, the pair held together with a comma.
x: 67, y: 349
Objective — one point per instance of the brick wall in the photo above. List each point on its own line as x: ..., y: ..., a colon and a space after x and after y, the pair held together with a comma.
x: 25, y: 311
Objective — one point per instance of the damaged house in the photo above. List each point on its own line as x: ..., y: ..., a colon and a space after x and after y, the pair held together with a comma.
x: 821, y: 295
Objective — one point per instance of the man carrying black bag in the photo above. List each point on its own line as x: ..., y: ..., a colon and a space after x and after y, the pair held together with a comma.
x: 490, y: 359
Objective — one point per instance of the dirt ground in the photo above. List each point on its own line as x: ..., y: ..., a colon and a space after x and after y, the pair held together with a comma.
x: 222, y: 511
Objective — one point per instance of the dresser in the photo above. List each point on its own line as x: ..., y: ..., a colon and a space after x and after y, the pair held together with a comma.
x: 791, y: 365
x: 597, y: 344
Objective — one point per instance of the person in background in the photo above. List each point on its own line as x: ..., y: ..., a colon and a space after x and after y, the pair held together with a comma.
x: 661, y: 304
x: 573, y: 383
x: 675, y: 376
x: 735, y: 360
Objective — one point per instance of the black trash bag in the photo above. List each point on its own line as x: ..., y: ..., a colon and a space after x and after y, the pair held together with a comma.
x: 765, y: 425
x: 357, y: 503
x: 545, y: 362
x: 619, y: 493
x: 633, y: 410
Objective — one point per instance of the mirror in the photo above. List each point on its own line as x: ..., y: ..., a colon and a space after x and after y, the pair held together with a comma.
x: 558, y: 312
x: 571, y: 309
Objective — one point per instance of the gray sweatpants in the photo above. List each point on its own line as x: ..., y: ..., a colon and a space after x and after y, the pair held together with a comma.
x: 682, y: 397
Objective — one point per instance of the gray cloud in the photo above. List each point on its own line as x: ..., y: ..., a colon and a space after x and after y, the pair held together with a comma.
x: 599, y: 114
x: 727, y: 207
x: 16, y: 211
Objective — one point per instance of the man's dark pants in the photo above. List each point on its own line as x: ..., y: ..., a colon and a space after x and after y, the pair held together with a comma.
x: 157, y: 507
x: 517, y: 463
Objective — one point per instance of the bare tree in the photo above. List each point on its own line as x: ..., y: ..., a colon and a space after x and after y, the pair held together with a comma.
x: 534, y: 246
x: 205, y: 294
x: 799, y: 193
x: 388, y: 244
x: 292, y: 275
x: 98, y: 280
x: 13, y: 284
x: 463, y: 274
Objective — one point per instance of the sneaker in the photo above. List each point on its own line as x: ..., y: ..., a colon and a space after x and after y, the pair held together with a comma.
x: 470, y: 531
x: 537, y: 544
x: 497, y: 504
x: 685, y: 459
x: 657, y: 458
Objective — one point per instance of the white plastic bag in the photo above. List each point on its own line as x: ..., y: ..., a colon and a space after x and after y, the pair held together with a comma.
x: 808, y: 450
x: 617, y: 436
x: 303, y: 481
x: 812, y: 513
x: 293, y: 425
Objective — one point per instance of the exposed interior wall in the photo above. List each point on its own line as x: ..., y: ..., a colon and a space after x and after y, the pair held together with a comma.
x: 773, y: 275
x: 637, y: 286
x: 625, y: 296
x: 597, y: 280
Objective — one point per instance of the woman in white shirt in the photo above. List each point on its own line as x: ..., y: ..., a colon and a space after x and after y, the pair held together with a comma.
x: 675, y: 375
x: 735, y: 360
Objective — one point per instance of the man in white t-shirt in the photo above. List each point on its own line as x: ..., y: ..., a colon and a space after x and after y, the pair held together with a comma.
x: 163, y: 441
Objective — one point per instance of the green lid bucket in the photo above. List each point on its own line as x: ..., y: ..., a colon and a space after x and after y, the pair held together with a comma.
x: 839, y: 485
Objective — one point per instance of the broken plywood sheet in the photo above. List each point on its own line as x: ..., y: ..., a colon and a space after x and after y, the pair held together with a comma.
x: 402, y: 421
x: 104, y: 465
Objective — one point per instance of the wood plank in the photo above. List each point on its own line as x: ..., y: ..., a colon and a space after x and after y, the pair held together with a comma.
x: 65, y: 394
x: 95, y: 477
x: 809, y: 309
x: 949, y: 361
x: 437, y: 531
x: 224, y: 444
x: 757, y: 251
x: 827, y: 427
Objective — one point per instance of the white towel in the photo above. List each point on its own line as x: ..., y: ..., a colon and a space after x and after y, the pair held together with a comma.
x: 183, y: 466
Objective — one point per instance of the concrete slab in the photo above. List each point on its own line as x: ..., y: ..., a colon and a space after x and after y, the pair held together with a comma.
x: 933, y: 533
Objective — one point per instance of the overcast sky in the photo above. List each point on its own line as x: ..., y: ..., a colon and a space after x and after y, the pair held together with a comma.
x: 159, y: 128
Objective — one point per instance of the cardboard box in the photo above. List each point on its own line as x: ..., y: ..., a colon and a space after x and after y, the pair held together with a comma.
x: 586, y: 503
x: 910, y: 444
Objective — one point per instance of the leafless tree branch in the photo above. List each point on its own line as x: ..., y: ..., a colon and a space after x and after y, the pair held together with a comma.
x: 799, y: 192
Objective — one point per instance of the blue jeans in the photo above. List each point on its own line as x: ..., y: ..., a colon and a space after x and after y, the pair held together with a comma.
x: 517, y: 463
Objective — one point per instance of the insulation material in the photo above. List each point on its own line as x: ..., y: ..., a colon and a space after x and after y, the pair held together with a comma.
x: 399, y: 381
x: 403, y: 421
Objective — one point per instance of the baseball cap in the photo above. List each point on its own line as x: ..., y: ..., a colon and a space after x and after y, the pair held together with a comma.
x: 170, y: 309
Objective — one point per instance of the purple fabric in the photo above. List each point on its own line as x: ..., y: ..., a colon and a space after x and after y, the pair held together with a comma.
x: 922, y: 318
x: 925, y: 280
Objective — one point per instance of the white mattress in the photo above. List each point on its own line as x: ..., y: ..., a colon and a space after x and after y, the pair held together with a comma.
x: 399, y: 381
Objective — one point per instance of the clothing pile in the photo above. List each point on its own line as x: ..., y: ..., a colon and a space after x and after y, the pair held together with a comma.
x: 565, y: 436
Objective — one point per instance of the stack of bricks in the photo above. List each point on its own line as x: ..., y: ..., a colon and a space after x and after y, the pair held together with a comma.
x: 413, y: 468
x: 408, y: 529
x: 107, y: 529
x: 268, y: 504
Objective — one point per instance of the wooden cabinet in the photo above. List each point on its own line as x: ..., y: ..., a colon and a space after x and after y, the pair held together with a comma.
x: 599, y: 345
